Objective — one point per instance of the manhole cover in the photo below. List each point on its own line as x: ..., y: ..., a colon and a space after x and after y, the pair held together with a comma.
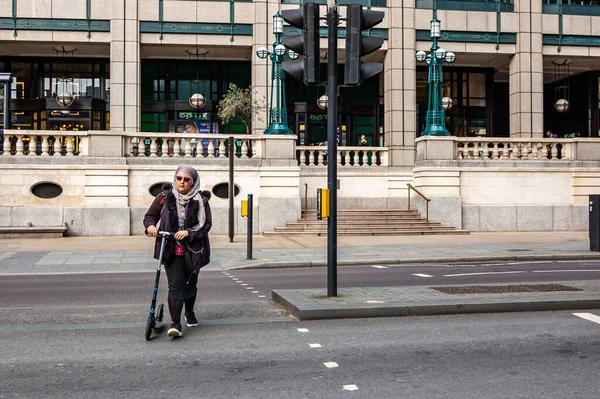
x: 500, y: 289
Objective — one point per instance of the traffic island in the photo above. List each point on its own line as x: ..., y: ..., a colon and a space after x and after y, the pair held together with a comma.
x: 360, y: 302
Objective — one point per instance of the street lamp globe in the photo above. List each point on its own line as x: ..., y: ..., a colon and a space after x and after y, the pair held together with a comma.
x: 277, y: 23
x: 293, y: 55
x: 323, y: 101
x: 447, y: 103
x: 440, y: 54
x: 280, y: 49
x: 436, y: 30
x: 262, y: 53
x: 562, y: 105
x: 450, y: 57
x: 65, y: 99
x: 421, y: 55
x: 197, y: 100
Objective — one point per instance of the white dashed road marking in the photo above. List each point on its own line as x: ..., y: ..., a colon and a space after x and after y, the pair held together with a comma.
x: 331, y: 365
x: 588, y: 316
x: 422, y: 275
x: 350, y: 388
x: 379, y: 267
x: 302, y: 330
x: 479, y: 274
x: 562, y: 271
x: 315, y: 345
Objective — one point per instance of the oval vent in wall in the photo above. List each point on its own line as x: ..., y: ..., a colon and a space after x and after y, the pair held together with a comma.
x: 46, y: 190
x: 221, y: 190
x: 156, y: 188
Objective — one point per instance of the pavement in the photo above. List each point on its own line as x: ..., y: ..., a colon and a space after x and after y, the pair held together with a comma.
x: 134, y: 254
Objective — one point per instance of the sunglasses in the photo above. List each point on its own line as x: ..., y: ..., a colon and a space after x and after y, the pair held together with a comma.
x: 185, y: 179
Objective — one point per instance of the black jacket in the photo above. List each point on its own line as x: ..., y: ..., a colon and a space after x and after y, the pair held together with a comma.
x: 164, y: 209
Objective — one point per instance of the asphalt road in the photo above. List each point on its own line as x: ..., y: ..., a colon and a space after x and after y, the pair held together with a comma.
x: 81, y: 336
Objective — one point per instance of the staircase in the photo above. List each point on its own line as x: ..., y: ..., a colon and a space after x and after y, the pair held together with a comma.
x: 367, y: 222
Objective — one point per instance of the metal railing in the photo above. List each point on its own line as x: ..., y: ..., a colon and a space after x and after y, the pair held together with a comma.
x: 410, y: 186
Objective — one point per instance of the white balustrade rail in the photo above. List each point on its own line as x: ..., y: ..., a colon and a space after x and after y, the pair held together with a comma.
x: 44, y: 143
x: 513, y: 149
x: 188, y: 145
x: 345, y: 157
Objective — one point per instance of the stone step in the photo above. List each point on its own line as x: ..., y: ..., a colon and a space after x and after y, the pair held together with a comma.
x: 373, y: 233
x: 366, y: 229
x: 32, y: 232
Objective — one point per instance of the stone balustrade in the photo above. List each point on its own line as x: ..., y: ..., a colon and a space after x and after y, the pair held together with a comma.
x: 513, y: 149
x: 346, y: 156
x: 44, y: 143
x: 188, y: 145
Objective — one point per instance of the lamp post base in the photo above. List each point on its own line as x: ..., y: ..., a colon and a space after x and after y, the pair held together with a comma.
x: 435, y: 130
x: 278, y: 128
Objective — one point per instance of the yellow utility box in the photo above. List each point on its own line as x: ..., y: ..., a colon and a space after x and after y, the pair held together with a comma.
x: 244, y: 208
x: 322, y: 203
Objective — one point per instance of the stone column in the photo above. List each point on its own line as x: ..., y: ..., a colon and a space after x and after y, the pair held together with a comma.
x: 261, y: 69
x: 400, y: 84
x: 125, y: 104
x: 526, y: 73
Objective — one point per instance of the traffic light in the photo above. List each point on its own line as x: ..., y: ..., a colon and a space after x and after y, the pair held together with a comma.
x: 306, y: 43
x: 357, y: 45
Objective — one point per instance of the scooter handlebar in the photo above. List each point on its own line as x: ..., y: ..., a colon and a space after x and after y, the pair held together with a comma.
x: 165, y: 234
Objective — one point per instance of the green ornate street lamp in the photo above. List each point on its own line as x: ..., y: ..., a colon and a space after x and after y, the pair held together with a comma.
x: 278, y: 111
x: 435, y: 121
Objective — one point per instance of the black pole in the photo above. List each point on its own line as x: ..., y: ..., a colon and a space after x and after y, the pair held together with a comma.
x: 332, y: 107
x: 249, y: 245
x: 231, y: 147
x: 6, y: 116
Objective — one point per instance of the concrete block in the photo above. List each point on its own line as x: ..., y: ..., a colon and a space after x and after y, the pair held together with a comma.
x: 5, y: 219
x: 36, y: 216
x: 498, y: 218
x: 534, y: 218
x: 580, y: 217
x: 73, y: 217
x: 561, y: 218
x: 106, y: 221
x: 446, y: 210
x: 276, y: 212
x: 137, y: 220
x: 470, y: 217
x: 397, y: 203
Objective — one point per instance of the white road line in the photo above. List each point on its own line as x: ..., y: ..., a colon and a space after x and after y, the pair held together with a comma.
x: 245, y: 284
x: 249, y: 288
x: 588, y: 316
x: 350, y: 388
x: 379, y: 267
x: 567, y: 270
x: 481, y: 273
x: 255, y: 292
x: 527, y: 263
x: 239, y: 281
x: 331, y: 365
x: 302, y: 330
x: 378, y: 301
x: 315, y: 345
x: 422, y: 275
x: 262, y: 296
x: 235, y: 279
x: 579, y: 261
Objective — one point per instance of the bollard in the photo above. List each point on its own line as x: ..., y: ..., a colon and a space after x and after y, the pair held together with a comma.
x: 247, y: 212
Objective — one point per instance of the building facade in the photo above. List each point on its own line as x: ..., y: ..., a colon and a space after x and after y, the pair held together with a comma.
x: 100, y: 112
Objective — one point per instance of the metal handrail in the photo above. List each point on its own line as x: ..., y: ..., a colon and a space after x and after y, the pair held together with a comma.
x: 305, y: 204
x: 422, y: 196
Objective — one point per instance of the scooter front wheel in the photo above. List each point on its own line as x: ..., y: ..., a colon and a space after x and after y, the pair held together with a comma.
x: 149, y: 328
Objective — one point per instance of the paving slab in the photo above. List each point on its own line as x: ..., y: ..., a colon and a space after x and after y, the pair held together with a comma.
x: 355, y: 302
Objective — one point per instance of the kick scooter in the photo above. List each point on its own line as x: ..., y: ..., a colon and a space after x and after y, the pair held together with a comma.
x: 156, y: 317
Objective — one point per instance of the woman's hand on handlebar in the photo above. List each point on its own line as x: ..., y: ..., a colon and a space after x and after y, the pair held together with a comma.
x: 152, y: 232
x: 181, y: 234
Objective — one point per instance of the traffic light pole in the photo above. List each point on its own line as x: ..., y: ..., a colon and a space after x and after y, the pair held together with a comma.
x: 332, y: 110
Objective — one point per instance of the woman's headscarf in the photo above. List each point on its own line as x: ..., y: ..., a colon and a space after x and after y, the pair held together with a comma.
x: 183, y: 199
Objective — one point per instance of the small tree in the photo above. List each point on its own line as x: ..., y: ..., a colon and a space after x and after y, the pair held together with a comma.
x: 239, y: 102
